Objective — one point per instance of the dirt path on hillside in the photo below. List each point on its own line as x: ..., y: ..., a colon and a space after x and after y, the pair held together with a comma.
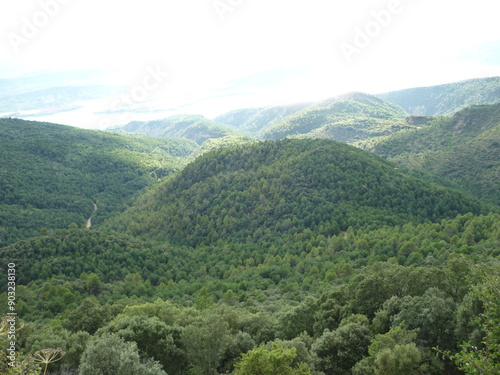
x: 89, y: 221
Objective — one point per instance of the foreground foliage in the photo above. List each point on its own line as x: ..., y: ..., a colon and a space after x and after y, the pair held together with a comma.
x: 341, y: 314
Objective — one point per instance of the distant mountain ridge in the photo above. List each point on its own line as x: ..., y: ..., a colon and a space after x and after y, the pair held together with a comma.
x: 194, y: 127
x: 276, y: 122
x: 256, y: 119
x: 448, y: 98
x: 347, y: 118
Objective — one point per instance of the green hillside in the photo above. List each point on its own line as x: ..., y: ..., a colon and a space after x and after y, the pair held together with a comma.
x: 446, y: 99
x: 256, y: 120
x: 216, y: 143
x: 266, y: 191
x: 348, y: 118
x: 52, y: 174
x: 463, y: 148
x: 194, y: 127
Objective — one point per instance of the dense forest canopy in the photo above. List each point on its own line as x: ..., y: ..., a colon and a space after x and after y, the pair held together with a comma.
x: 269, y: 190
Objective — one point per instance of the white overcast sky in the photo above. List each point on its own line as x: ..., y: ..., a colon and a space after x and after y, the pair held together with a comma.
x: 259, y: 51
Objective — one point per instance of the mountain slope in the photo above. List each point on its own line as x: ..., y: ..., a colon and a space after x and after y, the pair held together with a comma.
x: 255, y: 120
x: 194, y: 127
x: 269, y: 190
x: 446, y: 99
x: 464, y: 148
x: 216, y: 143
x: 50, y: 174
x: 347, y: 118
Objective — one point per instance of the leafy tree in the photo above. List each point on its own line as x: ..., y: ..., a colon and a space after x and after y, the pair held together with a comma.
x: 154, y: 339
x: 396, y: 352
x: 239, y: 344
x: 401, y: 360
x: 432, y: 314
x: 205, y: 343
x: 338, y: 351
x: 111, y: 355
x: 484, y: 359
x: 88, y: 317
x: 332, y: 308
x: 297, y: 320
x: 204, y: 299
x: 277, y: 361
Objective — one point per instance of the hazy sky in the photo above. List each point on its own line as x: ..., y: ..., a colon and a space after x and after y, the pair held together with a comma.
x: 250, y: 52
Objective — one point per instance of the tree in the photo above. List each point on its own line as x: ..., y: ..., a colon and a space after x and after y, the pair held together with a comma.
x: 204, y: 299
x: 111, y: 355
x: 277, y: 361
x: 332, y: 307
x: 338, y: 351
x: 89, y: 317
x: 432, y: 314
x: 154, y: 339
x: 240, y: 343
x: 396, y: 352
x: 297, y: 320
x: 205, y: 343
x: 486, y: 358
x: 93, y: 284
x: 401, y: 359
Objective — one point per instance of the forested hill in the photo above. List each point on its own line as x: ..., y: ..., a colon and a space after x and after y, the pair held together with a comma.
x: 347, y: 118
x: 194, y: 127
x: 269, y: 191
x: 51, y: 174
x: 254, y: 120
x: 463, y: 148
x: 446, y: 99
